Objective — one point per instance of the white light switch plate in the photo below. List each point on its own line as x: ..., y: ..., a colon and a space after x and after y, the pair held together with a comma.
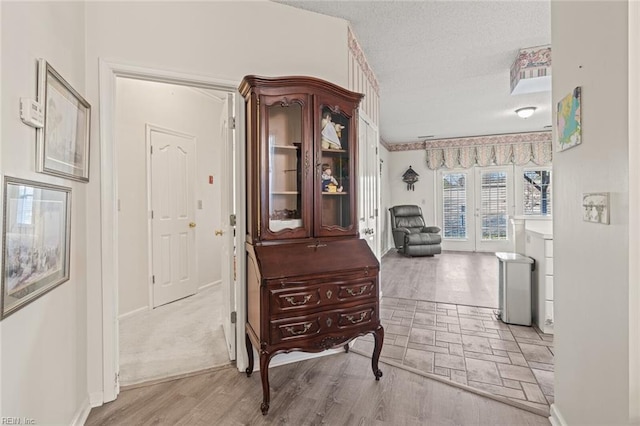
x: 31, y: 113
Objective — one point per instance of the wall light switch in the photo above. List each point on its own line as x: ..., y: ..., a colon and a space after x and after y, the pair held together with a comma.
x: 199, y: 204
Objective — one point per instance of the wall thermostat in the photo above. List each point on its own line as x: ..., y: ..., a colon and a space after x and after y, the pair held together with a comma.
x: 31, y: 113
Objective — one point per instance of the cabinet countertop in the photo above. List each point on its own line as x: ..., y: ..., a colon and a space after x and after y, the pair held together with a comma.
x: 542, y: 229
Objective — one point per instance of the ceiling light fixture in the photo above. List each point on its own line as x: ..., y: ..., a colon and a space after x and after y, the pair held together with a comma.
x: 525, y: 112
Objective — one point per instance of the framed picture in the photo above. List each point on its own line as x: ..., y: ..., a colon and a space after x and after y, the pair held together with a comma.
x: 63, y: 142
x: 35, y: 241
x: 595, y: 207
x: 569, y: 120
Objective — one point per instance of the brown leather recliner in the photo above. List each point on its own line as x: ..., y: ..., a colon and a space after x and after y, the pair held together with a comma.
x: 410, y: 235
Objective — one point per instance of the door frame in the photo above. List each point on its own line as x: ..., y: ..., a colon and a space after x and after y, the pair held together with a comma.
x: 109, y: 72
x: 473, y: 241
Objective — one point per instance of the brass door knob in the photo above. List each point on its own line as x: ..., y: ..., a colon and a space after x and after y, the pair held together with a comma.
x: 219, y: 232
x: 192, y: 224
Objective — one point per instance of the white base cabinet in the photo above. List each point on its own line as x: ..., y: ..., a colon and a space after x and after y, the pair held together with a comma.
x: 539, y: 246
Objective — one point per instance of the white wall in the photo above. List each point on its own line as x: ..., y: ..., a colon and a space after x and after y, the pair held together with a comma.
x: 634, y: 206
x: 224, y: 40
x: 43, y: 345
x: 181, y: 109
x: 424, y: 193
x: 591, y: 261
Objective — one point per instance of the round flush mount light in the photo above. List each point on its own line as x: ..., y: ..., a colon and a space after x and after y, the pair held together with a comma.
x: 525, y: 112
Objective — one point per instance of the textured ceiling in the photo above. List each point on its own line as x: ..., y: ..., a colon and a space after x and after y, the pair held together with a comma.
x: 443, y: 66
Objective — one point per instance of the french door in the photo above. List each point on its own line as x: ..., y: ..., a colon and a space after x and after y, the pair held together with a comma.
x: 474, y: 207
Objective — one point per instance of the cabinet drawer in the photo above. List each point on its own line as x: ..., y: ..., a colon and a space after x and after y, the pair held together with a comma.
x: 548, y: 287
x: 320, y: 323
x: 309, y: 296
x: 548, y: 265
x: 548, y: 314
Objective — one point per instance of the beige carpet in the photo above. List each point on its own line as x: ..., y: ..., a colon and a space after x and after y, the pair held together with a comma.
x: 174, y: 339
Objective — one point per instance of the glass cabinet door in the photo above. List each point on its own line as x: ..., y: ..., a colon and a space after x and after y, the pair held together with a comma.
x: 286, y: 156
x: 335, y: 167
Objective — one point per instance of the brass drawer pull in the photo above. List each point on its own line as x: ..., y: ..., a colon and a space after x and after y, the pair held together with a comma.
x: 305, y: 328
x: 353, y: 293
x: 353, y: 319
x: 293, y: 302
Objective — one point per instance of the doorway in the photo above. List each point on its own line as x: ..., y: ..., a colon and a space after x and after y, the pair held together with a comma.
x: 473, y: 208
x: 173, y: 255
x: 368, y: 183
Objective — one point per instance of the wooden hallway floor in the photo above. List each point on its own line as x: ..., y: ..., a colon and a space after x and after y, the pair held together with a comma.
x: 333, y: 390
x: 338, y: 389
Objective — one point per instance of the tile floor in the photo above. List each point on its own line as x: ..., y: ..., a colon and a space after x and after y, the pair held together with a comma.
x: 467, y: 345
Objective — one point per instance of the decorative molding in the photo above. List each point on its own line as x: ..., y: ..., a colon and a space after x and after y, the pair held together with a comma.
x: 82, y: 414
x: 134, y: 312
x: 406, y: 146
x: 211, y: 284
x: 555, y: 418
x: 510, y: 138
x: 532, y: 63
x: 358, y: 54
x: 96, y: 399
x: 386, y: 144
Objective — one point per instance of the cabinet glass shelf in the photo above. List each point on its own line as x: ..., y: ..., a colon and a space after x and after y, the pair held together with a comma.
x: 285, y: 146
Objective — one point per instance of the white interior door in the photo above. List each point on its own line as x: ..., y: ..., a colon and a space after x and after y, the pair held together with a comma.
x: 368, y: 181
x: 174, y: 274
x: 226, y: 233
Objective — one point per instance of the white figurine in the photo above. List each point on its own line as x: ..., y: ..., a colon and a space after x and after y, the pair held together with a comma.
x: 330, y: 133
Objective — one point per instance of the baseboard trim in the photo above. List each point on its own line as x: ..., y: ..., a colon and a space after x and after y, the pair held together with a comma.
x: 211, y: 284
x: 96, y: 399
x: 555, y: 417
x: 82, y: 414
x: 157, y: 380
x: 134, y: 312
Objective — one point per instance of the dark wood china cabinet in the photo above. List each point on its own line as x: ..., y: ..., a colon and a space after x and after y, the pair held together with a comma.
x: 312, y: 283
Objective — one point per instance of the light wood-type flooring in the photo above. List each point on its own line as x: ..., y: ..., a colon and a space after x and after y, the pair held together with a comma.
x: 338, y: 389
x: 334, y: 390
x: 461, y: 278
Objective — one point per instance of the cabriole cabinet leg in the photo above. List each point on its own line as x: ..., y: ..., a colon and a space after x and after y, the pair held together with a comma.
x: 249, y: 369
x: 379, y: 338
x: 264, y: 375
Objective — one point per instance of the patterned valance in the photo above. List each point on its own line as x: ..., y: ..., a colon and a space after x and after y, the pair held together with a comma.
x: 485, y: 151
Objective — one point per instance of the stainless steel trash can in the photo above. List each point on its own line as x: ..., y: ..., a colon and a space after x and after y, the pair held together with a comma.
x: 514, y: 293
